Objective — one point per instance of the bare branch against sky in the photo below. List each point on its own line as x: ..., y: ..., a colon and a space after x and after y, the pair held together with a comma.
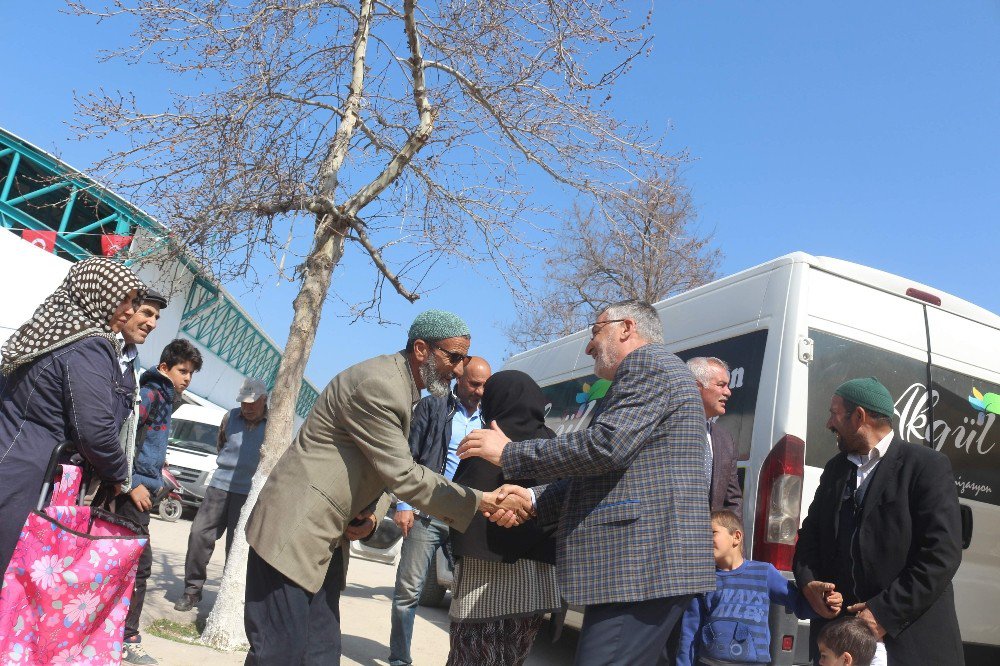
x: 644, y: 245
x: 405, y: 128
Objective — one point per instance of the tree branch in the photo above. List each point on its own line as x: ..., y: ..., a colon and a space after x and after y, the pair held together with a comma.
x: 373, y: 252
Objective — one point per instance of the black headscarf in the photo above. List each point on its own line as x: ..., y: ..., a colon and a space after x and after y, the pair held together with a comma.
x: 517, y: 404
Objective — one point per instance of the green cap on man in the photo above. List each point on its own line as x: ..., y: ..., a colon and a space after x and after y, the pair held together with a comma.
x: 869, y: 393
x: 434, y: 325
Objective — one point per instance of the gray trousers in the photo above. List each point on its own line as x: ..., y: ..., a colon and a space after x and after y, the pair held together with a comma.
x: 219, y: 512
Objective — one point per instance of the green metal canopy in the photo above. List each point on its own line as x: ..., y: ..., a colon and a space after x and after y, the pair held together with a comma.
x: 40, y: 192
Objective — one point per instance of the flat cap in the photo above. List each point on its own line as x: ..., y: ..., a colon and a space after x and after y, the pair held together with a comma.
x: 156, y: 298
x: 869, y: 393
x: 433, y: 325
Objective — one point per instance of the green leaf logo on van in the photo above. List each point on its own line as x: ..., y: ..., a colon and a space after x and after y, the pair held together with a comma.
x: 989, y: 402
x: 592, y: 392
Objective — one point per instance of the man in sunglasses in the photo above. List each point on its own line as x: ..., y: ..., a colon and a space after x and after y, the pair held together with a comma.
x: 439, y: 424
x: 329, y: 487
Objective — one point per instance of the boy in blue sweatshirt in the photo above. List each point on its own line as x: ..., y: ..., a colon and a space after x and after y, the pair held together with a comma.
x: 729, y: 626
x: 159, y: 389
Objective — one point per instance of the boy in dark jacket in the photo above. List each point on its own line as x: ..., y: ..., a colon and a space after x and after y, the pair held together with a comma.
x: 729, y: 626
x: 159, y: 389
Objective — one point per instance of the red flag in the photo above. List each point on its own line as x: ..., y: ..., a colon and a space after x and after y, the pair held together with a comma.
x: 43, y: 239
x: 112, y: 244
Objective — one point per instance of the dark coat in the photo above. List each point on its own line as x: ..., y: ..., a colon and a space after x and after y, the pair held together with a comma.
x: 910, y: 543
x: 430, y: 431
x: 76, y: 393
x: 725, y: 492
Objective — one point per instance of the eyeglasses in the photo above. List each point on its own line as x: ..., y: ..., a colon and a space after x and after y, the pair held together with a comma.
x: 594, y: 330
x: 453, y: 357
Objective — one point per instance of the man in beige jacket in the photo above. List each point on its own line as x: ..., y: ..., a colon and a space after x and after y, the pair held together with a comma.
x: 350, y: 450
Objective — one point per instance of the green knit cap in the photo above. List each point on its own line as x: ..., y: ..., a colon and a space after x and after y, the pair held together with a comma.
x: 869, y: 393
x: 434, y: 325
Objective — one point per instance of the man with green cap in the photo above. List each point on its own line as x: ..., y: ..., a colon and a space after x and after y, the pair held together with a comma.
x: 884, y: 527
x: 324, y: 489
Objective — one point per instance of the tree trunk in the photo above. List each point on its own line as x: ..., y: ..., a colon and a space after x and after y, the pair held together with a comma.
x: 224, y: 628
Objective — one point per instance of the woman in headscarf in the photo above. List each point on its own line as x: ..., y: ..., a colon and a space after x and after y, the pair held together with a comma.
x: 505, y: 579
x: 63, y: 381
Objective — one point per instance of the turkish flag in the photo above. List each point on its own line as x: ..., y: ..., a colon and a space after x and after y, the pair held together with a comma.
x: 112, y: 244
x: 43, y: 239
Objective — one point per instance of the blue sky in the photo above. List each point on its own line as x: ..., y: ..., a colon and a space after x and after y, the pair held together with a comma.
x: 864, y: 131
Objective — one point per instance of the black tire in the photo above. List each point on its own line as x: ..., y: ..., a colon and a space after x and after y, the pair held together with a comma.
x: 433, y: 593
x: 170, y: 510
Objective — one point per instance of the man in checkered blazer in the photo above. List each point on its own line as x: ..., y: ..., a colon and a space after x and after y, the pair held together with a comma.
x: 635, y: 541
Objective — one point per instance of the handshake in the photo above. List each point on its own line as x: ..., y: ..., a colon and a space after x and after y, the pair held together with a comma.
x: 507, y: 506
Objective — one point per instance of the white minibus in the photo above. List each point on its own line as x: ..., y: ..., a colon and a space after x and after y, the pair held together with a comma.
x: 792, y: 330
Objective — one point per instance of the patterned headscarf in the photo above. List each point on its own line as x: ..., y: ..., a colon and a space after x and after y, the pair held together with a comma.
x: 79, y: 308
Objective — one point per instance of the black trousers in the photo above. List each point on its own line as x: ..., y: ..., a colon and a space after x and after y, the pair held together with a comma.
x: 124, y: 507
x: 218, y: 514
x: 628, y: 634
x: 288, y: 626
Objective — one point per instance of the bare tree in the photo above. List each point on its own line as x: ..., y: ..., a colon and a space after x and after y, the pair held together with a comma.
x: 414, y: 130
x: 642, y: 245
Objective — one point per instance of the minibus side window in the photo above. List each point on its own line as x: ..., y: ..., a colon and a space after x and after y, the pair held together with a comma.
x: 572, y: 403
x: 837, y: 359
x: 965, y: 428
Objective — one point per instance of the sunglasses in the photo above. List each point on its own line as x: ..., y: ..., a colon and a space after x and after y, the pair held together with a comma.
x: 453, y: 357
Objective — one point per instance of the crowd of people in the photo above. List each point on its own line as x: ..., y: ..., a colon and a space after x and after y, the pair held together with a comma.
x: 636, y: 518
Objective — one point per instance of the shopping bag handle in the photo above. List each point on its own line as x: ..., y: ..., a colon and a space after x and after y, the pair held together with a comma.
x: 50, y: 472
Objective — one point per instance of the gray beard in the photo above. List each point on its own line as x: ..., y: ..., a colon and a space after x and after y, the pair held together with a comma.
x: 606, y: 358
x: 433, y: 382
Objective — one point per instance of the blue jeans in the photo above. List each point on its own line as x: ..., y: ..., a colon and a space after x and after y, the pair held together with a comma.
x: 415, y: 557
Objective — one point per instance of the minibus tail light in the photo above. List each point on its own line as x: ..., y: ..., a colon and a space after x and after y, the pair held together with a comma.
x: 779, y: 500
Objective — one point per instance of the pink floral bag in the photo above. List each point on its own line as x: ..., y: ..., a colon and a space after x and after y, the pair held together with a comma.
x: 67, y: 589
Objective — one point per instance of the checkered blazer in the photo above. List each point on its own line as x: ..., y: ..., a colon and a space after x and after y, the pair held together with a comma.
x: 632, y: 501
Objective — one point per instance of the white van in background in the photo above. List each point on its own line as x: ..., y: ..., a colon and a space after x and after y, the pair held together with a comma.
x: 193, y: 447
x: 792, y: 330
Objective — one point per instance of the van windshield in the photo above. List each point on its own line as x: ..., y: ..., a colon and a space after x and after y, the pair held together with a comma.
x: 194, y: 436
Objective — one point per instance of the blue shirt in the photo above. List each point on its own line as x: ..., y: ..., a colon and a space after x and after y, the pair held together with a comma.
x: 730, y: 624
x: 462, y: 423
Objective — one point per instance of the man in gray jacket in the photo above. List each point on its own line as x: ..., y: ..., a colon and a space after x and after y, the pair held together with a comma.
x: 350, y: 450
x: 634, y: 538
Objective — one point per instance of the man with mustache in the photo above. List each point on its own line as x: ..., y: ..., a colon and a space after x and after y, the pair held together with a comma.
x: 885, y: 528
x: 324, y: 490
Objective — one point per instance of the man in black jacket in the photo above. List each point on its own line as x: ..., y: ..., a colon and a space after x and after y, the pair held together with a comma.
x: 438, y: 425
x: 884, y: 527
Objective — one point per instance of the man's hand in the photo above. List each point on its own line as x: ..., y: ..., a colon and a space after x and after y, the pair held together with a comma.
x: 866, y: 615
x: 486, y: 444
x: 816, y: 594
x: 141, y: 498
x: 362, y: 526
x: 405, y: 521
x: 511, y: 506
x: 834, y: 601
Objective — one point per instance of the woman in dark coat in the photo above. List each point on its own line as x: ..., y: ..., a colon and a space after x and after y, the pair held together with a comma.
x: 505, y: 580
x: 62, y: 382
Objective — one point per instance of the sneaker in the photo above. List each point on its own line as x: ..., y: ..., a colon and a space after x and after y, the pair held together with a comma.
x: 187, y: 602
x: 134, y: 653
